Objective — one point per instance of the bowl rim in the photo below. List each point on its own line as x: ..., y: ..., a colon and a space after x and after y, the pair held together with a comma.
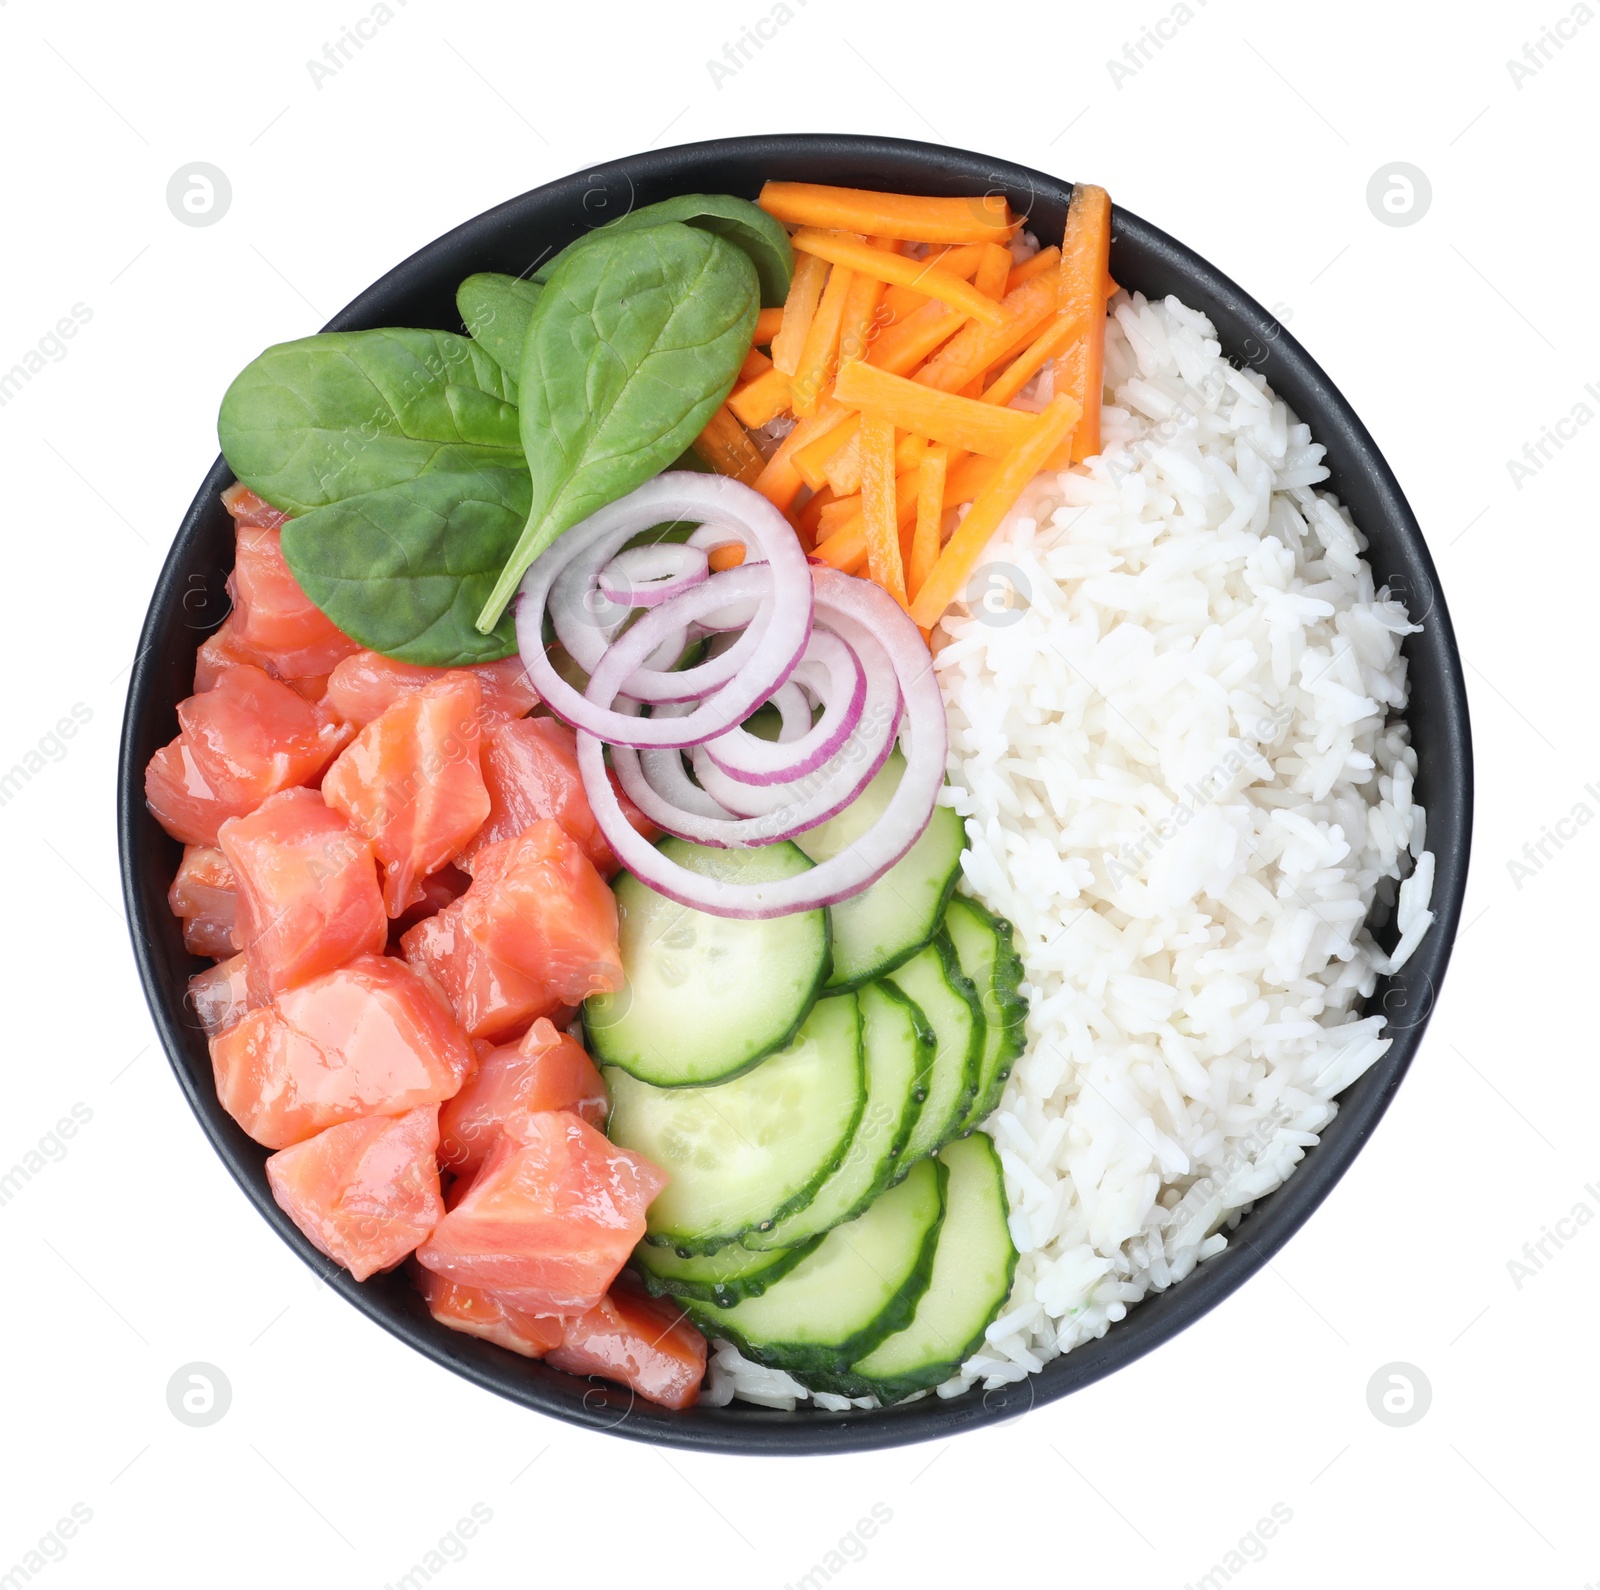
x: 744, y: 1428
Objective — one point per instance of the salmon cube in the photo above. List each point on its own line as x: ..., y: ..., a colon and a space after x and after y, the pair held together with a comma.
x: 546, y: 1070
x: 536, y: 931
x: 647, y: 1343
x: 550, y: 1219
x: 368, y: 684
x: 410, y: 782
x: 366, y: 1192
x: 369, y: 1039
x: 203, y: 894
x: 479, y: 1313
x: 531, y: 769
x: 251, y: 735
x: 308, y: 890
x: 225, y: 649
x: 220, y: 997
x: 181, y: 799
x: 276, y: 616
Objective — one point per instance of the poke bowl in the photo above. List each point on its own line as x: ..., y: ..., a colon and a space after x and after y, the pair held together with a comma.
x: 1119, y: 705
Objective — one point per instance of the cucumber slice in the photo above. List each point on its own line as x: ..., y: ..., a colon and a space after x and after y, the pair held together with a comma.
x: 973, y: 1267
x: 888, y: 922
x: 933, y: 980
x: 725, y: 1277
x: 752, y: 1150
x: 860, y: 1285
x: 983, y: 947
x: 898, y: 1047
x: 706, y: 997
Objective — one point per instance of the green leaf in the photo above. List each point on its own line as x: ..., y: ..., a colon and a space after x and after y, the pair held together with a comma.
x: 329, y: 417
x: 738, y: 220
x: 637, y: 339
x: 406, y: 568
x: 496, y: 310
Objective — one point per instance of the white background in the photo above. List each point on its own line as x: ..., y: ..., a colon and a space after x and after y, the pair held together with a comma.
x: 1252, y: 136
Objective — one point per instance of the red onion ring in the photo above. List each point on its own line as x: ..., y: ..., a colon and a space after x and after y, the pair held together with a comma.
x: 650, y: 575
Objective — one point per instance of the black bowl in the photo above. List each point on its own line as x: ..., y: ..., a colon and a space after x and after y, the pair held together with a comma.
x: 190, y: 601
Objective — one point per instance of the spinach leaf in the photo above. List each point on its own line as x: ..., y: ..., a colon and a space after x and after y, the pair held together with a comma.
x: 496, y: 309
x: 738, y: 220
x: 329, y: 417
x: 404, y: 569
x: 637, y: 338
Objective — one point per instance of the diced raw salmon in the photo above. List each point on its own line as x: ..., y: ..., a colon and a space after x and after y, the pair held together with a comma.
x: 550, y: 1219
x: 224, y: 649
x: 251, y: 736
x: 203, y: 894
x: 479, y: 1313
x: 531, y: 769
x: 369, y: 1039
x: 249, y: 509
x: 366, y: 1192
x: 537, y: 930
x: 546, y: 1070
x: 221, y: 996
x: 308, y: 890
x: 182, y: 801
x: 368, y: 683
x: 645, y: 1342
x: 275, y: 615
x: 410, y: 782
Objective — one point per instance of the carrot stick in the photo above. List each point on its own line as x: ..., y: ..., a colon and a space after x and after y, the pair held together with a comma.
x: 904, y: 346
x: 842, y: 248
x: 878, y: 504
x: 930, y: 512
x: 728, y: 557
x: 810, y: 516
x: 989, y: 507
x: 859, y: 321
x: 974, y: 348
x: 1085, y: 252
x: 941, y: 416
x: 821, y: 348
x: 762, y: 400
x: 805, y: 288
x: 845, y: 544
x: 1029, y: 268
x: 812, y: 459
x: 726, y: 446
x: 769, y: 322
x: 993, y: 270
x: 1057, y: 334
x: 962, y: 260
x: 982, y: 219
x: 842, y: 471
x: 755, y: 363
x: 840, y: 511
x: 1109, y: 287
x: 780, y: 481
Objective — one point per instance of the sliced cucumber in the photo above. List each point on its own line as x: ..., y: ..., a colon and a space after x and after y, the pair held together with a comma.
x: 983, y: 947
x: 933, y: 980
x: 973, y: 1267
x: 707, y: 996
x: 887, y: 923
x: 897, y: 1045
x: 860, y: 1285
x: 724, y: 1277
x: 752, y: 1150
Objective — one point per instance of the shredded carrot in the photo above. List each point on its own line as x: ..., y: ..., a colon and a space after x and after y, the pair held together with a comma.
x: 843, y: 248
x: 983, y: 218
x: 821, y: 348
x: 725, y: 445
x: 780, y: 481
x: 906, y: 344
x: 878, y: 505
x: 960, y: 260
x: 1029, y: 268
x: 759, y: 401
x: 974, y: 348
x: 964, y: 548
x: 941, y: 416
x: 728, y: 557
x: 755, y: 363
x: 1057, y: 334
x: 805, y: 288
x: 1085, y: 251
x: 930, y: 513
x: 993, y: 270
x: 769, y: 322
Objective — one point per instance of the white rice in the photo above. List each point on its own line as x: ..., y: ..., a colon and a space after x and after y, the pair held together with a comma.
x: 1174, y: 739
